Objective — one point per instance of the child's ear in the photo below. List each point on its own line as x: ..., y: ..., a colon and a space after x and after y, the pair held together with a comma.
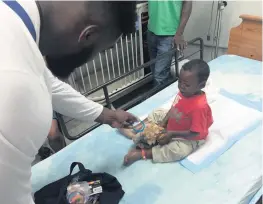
x: 202, y: 84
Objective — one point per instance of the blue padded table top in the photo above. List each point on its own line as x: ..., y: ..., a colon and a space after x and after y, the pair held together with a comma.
x: 241, y: 79
x: 227, y: 180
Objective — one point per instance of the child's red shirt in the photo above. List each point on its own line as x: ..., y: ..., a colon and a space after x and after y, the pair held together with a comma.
x: 192, y: 114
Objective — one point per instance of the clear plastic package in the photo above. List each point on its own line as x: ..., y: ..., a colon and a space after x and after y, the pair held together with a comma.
x: 78, y: 193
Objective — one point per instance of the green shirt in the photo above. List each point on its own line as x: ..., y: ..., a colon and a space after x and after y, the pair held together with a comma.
x: 164, y: 16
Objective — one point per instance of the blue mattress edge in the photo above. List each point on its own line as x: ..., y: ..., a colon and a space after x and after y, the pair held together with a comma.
x: 256, y: 197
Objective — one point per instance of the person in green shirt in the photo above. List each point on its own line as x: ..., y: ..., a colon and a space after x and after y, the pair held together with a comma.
x: 167, y: 21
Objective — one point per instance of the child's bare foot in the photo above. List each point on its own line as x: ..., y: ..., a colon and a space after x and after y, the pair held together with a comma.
x: 132, y: 156
x: 127, y: 133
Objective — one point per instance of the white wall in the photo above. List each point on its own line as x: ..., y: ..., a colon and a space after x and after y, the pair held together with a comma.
x: 199, y: 22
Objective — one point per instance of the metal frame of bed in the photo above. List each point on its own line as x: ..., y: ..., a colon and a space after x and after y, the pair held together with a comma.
x: 135, y: 101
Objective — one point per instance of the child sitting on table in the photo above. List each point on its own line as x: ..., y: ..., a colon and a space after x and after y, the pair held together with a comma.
x: 185, y: 125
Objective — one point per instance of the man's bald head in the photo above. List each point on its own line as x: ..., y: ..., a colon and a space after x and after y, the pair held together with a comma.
x: 74, y: 31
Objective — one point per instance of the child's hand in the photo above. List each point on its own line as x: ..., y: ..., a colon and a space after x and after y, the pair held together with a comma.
x: 165, y: 139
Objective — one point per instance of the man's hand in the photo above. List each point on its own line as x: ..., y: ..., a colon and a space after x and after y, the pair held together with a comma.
x: 122, y: 116
x: 116, y: 118
x: 179, y: 42
x: 165, y: 139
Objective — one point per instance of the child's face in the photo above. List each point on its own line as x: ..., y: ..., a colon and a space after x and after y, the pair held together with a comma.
x: 188, y: 83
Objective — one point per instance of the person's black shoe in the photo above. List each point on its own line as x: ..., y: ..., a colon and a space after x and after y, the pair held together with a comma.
x: 44, y: 152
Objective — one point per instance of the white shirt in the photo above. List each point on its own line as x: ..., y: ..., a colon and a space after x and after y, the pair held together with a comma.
x: 28, y: 92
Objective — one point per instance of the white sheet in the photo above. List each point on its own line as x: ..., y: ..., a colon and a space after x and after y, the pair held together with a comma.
x: 230, y: 118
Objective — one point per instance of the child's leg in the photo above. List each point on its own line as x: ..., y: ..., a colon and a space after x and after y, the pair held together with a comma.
x: 129, y: 133
x: 157, y: 116
x: 136, y: 154
x: 174, y: 151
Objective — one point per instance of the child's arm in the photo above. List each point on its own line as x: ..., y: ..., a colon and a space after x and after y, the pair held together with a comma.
x: 165, y: 121
x: 176, y: 134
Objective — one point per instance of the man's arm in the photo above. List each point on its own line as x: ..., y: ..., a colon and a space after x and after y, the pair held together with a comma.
x: 69, y: 102
x: 185, y: 15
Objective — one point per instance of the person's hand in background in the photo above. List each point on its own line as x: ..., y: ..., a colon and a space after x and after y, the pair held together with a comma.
x: 179, y: 42
x: 185, y: 15
x: 55, y: 137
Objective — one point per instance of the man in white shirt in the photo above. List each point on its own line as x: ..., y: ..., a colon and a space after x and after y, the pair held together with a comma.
x: 68, y: 34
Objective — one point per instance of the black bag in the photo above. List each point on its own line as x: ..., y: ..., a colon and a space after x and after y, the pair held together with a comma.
x: 55, y: 193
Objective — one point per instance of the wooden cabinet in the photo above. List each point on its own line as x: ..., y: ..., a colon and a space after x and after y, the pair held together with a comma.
x: 246, y: 39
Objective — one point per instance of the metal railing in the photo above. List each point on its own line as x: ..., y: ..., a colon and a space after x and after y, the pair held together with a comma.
x: 109, y: 100
x: 108, y: 65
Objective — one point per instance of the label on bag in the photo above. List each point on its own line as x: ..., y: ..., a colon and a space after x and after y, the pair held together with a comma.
x: 95, y: 187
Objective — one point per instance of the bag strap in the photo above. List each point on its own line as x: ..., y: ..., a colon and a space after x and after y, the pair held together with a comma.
x: 20, y: 11
x: 81, y: 168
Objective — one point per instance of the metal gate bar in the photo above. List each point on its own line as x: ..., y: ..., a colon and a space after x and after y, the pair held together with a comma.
x: 92, y: 74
